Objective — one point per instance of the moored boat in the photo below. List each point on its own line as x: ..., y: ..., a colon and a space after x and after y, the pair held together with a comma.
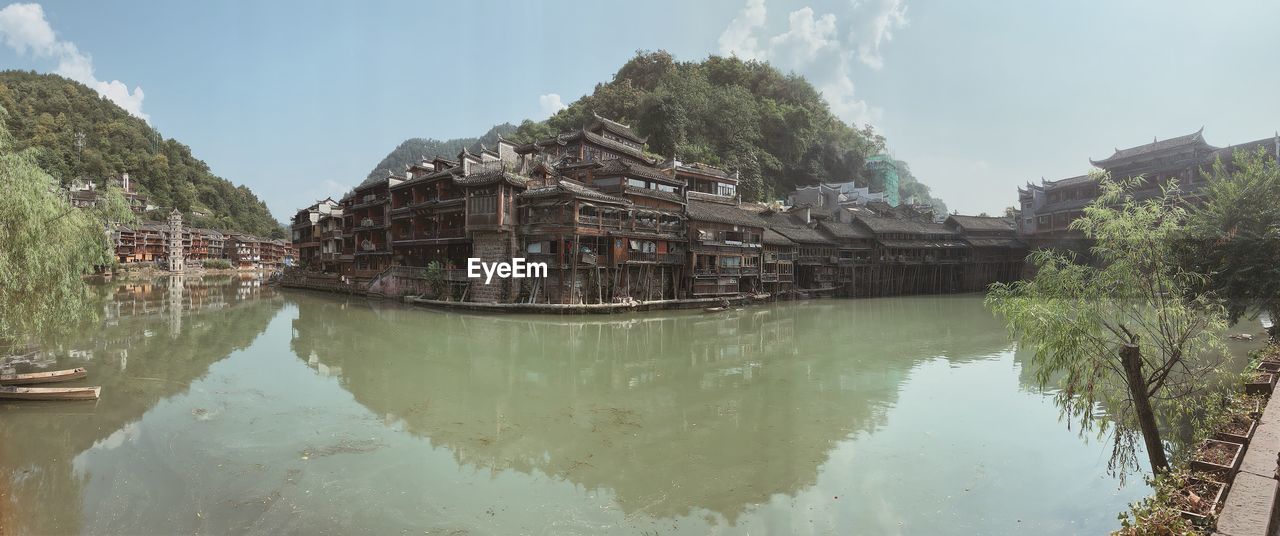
x: 50, y: 393
x: 52, y: 376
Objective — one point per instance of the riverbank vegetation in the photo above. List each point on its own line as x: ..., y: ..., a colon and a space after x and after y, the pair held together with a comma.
x: 1126, y: 332
x: 1137, y: 329
x: 78, y: 135
x: 46, y: 245
x: 1234, y: 238
x: 216, y: 264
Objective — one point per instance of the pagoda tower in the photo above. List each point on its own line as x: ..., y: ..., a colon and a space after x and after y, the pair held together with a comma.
x: 174, y: 250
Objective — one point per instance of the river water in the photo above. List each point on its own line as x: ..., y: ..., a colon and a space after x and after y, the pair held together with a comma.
x: 231, y: 407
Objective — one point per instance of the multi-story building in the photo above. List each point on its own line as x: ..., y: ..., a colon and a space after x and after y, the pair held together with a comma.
x: 613, y: 224
x: 725, y: 240
x: 307, y: 233
x: 1047, y: 209
x: 370, y: 215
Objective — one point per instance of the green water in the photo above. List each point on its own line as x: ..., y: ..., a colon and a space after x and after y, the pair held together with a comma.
x: 236, y: 408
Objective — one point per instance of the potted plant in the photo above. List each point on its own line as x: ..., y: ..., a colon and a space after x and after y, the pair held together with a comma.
x: 1215, y: 455
x: 1198, y: 500
x: 1260, y: 383
x: 1248, y: 404
x: 1236, y: 427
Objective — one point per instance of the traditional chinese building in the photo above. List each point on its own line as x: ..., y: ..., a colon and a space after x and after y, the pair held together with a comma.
x: 370, y: 214
x: 613, y: 224
x: 307, y: 233
x: 1046, y: 210
x: 996, y: 254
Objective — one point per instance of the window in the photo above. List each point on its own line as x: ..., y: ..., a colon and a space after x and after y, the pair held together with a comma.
x: 727, y: 190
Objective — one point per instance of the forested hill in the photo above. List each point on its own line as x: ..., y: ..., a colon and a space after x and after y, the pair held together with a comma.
x: 84, y: 136
x: 774, y: 129
x: 412, y: 150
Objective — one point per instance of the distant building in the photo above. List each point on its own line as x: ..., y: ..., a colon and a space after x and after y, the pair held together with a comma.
x: 828, y: 196
x: 1048, y: 208
x: 886, y: 169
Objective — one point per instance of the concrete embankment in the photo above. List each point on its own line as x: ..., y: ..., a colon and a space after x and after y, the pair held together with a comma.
x: 1250, y: 505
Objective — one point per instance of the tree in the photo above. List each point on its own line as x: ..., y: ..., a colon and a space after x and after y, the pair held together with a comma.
x: 1234, y: 237
x: 435, y: 276
x: 45, y: 246
x: 1127, y: 333
x: 80, y: 135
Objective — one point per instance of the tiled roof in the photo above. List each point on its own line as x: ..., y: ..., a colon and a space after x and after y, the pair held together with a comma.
x: 901, y: 225
x: 491, y: 177
x: 1072, y: 181
x: 722, y: 213
x: 844, y: 231
x: 617, y: 128
x: 656, y: 194
x: 618, y: 166
x: 1192, y: 139
x: 566, y: 186
x: 606, y: 142
x: 981, y: 223
x: 704, y: 169
x: 793, y: 229
x: 1012, y: 243
x: 881, y: 225
x: 773, y: 238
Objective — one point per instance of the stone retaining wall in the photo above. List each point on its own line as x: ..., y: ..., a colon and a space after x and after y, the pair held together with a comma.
x: 1250, y: 508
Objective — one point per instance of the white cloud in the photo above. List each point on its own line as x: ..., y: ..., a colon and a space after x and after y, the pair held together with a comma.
x: 739, y: 38
x: 551, y: 103
x: 25, y: 30
x: 823, y: 48
x: 879, y: 19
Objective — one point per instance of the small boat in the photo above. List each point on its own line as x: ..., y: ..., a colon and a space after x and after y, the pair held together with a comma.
x: 50, y: 393
x: 52, y: 376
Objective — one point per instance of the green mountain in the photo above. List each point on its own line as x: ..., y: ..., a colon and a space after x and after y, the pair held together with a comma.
x: 775, y: 129
x: 412, y: 150
x: 81, y: 135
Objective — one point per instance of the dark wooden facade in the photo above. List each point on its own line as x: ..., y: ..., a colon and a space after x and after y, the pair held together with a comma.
x: 613, y: 224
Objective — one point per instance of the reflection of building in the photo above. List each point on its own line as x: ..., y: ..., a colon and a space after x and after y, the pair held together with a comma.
x: 669, y: 414
x: 1048, y: 208
x: 138, y: 369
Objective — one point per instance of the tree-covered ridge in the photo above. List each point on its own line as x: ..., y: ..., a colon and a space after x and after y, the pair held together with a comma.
x: 775, y: 129
x: 76, y: 134
x: 412, y: 150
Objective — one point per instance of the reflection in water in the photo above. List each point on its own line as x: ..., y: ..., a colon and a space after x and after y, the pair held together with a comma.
x: 145, y: 352
x: 735, y: 408
x: 229, y: 409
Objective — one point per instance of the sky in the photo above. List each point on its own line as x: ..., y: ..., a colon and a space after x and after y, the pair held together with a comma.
x: 299, y: 101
